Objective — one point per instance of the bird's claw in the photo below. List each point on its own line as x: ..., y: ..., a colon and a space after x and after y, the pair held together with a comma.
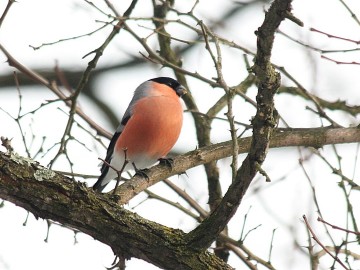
x: 142, y: 173
x: 167, y: 161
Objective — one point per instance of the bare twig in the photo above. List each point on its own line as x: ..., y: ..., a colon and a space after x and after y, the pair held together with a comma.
x: 229, y: 93
x: 347, y: 252
x: 72, y: 38
x: 333, y: 36
x: 337, y: 227
x: 54, y: 88
x: 340, y: 62
x: 7, y: 8
x: 187, y: 198
x: 321, y: 244
x: 353, y: 15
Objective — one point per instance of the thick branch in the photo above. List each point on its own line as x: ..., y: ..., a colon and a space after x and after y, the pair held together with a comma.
x: 52, y: 196
x: 314, y: 137
x: 263, y: 125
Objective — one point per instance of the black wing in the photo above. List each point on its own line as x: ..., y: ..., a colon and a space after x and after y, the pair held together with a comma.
x: 105, y: 168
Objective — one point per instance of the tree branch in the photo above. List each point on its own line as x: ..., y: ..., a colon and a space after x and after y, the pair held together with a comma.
x: 50, y: 195
x: 263, y: 125
x: 314, y: 137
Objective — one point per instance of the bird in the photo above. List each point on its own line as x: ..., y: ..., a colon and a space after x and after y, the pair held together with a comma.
x: 148, y: 130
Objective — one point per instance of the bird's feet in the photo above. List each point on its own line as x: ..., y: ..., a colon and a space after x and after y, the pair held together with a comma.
x: 141, y: 172
x: 167, y: 161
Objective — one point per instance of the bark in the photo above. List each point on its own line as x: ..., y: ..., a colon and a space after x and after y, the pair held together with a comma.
x: 50, y: 195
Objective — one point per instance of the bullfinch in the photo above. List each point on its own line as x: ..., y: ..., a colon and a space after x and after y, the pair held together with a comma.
x: 148, y: 130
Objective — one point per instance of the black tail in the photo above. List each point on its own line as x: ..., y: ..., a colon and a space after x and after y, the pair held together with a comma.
x: 98, y: 185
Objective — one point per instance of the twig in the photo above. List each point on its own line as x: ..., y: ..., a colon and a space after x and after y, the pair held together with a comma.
x: 7, y: 8
x: 340, y: 62
x: 271, y: 244
x: 337, y: 227
x: 347, y: 252
x: 84, y: 176
x: 350, y: 11
x: 162, y: 61
x: 333, y: 36
x: 242, y: 257
x: 322, y: 51
x: 119, y: 172
x: 187, y: 198
x: 314, y: 195
x: 336, y: 105
x: 242, y: 238
x: 54, y: 88
x: 250, y: 255
x: 291, y: 17
x: 152, y: 195
x: 309, y: 96
x: 335, y: 170
x: 321, y: 244
x: 71, y: 38
x: 18, y: 118
x: 229, y: 93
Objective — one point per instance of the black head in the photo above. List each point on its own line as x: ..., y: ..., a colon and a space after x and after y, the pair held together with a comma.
x: 174, y: 84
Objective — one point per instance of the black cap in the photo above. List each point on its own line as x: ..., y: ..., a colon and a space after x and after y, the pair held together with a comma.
x: 174, y: 84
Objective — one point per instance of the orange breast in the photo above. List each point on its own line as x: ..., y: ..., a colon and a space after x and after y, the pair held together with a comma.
x: 154, y: 127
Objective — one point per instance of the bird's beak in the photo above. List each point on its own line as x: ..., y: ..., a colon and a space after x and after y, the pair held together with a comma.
x: 180, y: 90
